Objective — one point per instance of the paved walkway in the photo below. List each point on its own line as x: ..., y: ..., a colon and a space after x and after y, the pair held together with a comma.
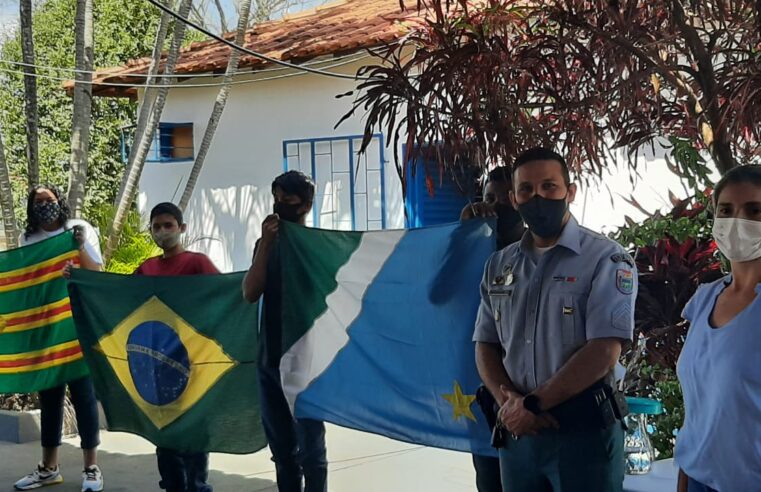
x: 358, y: 462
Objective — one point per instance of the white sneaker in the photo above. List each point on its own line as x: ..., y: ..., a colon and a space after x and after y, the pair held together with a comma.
x: 92, y: 479
x: 40, y: 477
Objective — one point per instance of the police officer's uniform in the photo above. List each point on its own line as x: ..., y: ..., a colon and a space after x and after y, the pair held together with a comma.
x: 543, y: 308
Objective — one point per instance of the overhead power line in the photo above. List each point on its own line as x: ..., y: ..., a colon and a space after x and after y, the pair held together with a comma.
x: 247, y: 51
x: 181, y: 86
x: 163, y: 75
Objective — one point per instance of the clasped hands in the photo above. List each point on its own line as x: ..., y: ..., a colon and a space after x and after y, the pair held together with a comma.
x: 518, y: 420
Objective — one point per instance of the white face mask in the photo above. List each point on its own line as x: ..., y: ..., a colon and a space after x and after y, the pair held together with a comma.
x: 738, y: 239
x: 166, y: 239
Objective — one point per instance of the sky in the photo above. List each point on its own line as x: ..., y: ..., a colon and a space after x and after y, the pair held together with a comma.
x: 9, y: 13
x: 602, y: 206
x: 8, y: 16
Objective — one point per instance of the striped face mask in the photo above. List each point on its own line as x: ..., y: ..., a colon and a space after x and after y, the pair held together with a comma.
x: 738, y: 239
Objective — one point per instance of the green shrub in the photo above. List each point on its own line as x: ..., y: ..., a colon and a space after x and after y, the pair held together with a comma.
x: 131, y: 253
x: 135, y: 244
x: 674, y: 254
x: 665, y: 388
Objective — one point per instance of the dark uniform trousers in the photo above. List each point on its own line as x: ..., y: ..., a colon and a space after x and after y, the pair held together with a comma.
x: 487, y: 473
x: 576, y: 460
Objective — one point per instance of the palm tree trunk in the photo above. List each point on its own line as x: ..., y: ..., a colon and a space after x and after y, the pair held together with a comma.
x: 30, y: 93
x: 219, y: 104
x: 143, y: 144
x: 80, y: 128
x: 149, y: 96
x: 6, y: 201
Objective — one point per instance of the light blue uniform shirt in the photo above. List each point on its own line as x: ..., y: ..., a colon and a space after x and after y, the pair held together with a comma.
x: 543, y: 309
x: 720, y: 373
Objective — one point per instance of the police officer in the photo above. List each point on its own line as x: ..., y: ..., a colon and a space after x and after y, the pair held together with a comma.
x: 555, y: 310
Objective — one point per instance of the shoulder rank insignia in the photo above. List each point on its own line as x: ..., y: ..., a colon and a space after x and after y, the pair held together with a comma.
x: 623, y: 258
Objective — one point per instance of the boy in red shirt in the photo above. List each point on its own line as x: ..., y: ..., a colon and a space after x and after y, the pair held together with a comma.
x: 180, y: 472
x: 166, y: 229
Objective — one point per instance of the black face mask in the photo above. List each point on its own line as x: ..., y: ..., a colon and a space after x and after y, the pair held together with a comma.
x: 544, y: 217
x: 288, y: 212
x: 507, y: 220
x: 47, y: 213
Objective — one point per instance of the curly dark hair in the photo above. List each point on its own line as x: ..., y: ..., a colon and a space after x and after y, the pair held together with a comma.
x: 295, y: 183
x: 32, y: 225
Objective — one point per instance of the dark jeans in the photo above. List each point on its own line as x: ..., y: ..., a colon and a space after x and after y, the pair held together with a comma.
x: 85, y: 406
x: 183, y: 472
x: 297, y: 446
x: 695, y: 486
x: 565, y: 461
x: 488, y: 478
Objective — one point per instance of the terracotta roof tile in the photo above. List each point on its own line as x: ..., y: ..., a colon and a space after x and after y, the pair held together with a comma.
x: 339, y: 27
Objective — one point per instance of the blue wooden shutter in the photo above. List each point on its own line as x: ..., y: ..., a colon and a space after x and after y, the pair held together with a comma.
x: 446, y: 203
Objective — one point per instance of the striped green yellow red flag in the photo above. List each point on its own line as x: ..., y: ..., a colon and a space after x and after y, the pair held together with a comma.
x: 38, y: 341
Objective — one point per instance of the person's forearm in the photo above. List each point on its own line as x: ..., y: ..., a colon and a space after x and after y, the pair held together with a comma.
x: 587, y: 366
x: 86, y: 262
x: 256, y: 277
x: 492, y: 371
x: 681, y: 485
x: 466, y: 213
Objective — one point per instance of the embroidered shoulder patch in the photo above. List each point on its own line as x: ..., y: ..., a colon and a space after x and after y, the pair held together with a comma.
x: 625, y: 281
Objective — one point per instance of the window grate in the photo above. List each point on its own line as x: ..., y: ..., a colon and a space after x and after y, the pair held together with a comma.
x: 349, y: 188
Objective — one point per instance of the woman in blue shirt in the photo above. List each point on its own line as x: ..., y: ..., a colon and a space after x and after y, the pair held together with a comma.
x: 719, y: 446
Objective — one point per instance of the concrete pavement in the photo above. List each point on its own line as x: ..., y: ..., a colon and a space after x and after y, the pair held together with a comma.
x: 358, y: 462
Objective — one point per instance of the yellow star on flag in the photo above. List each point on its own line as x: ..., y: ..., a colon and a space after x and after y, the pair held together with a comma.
x: 461, y: 403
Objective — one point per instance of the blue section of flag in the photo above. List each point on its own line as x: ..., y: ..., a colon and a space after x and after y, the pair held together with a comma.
x: 158, y: 362
x: 411, y: 344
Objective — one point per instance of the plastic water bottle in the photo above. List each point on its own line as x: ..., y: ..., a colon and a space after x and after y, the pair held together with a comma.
x: 638, y: 449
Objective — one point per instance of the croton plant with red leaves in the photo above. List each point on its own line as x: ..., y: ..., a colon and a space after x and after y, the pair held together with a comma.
x: 670, y: 270
x: 491, y: 78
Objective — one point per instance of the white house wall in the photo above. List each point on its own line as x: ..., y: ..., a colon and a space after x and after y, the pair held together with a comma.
x: 232, y: 195
x: 601, y: 204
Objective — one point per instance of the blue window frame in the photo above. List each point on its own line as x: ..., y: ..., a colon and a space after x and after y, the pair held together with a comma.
x: 349, y: 188
x: 173, y: 142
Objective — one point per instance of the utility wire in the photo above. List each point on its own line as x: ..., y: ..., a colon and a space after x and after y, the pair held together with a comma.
x: 247, y: 51
x: 179, y: 86
x: 161, y: 75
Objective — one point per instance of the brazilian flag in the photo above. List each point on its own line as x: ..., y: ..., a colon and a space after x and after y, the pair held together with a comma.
x: 173, y: 358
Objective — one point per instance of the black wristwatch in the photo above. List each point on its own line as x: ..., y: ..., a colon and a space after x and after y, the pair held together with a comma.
x: 532, y: 404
